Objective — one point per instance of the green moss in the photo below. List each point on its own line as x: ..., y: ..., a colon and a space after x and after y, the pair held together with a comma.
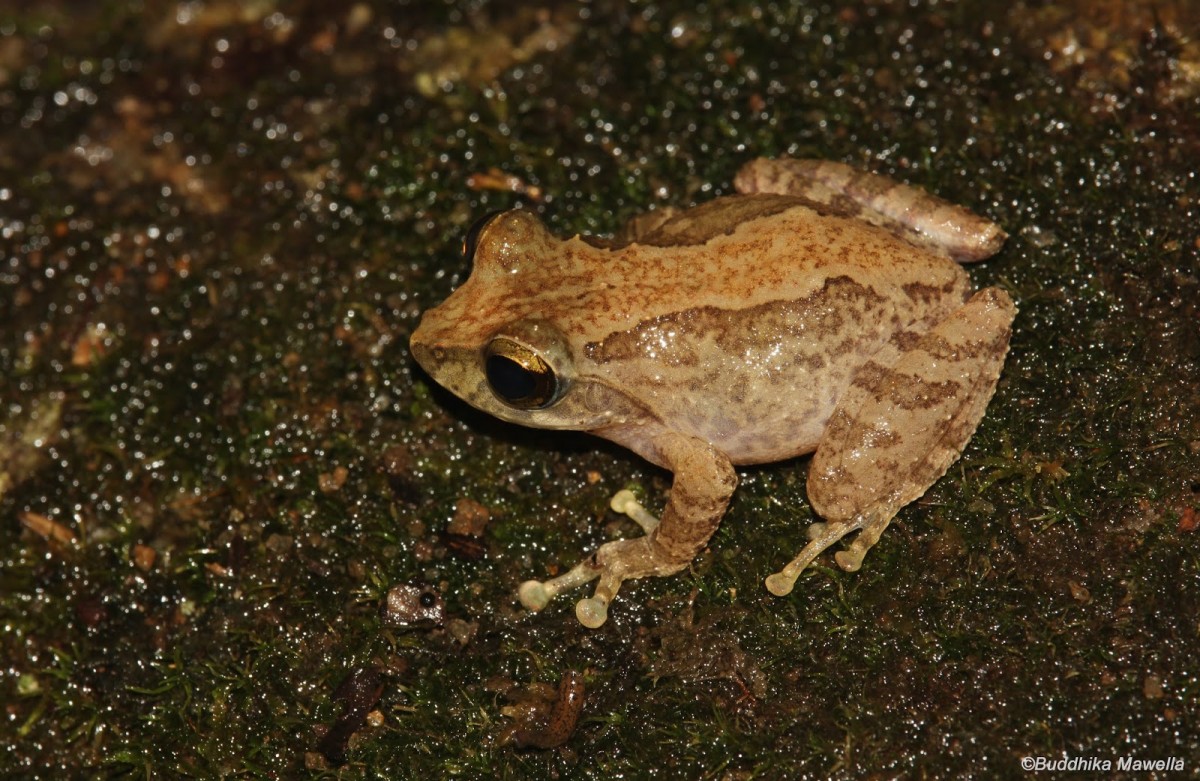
x: 218, y: 236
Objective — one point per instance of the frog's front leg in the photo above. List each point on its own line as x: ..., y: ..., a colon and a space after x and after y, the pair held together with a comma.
x: 903, y: 421
x: 704, y: 483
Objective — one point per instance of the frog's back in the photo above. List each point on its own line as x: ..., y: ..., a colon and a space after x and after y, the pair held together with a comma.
x: 754, y: 312
x: 758, y: 247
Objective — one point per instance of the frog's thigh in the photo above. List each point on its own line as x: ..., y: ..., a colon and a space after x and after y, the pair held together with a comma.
x: 901, y: 425
x: 904, y: 420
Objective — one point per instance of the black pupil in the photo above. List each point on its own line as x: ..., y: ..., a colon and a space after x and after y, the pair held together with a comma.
x: 427, y: 599
x: 510, y: 379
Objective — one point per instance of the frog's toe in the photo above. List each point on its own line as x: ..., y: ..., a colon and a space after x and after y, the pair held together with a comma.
x: 626, y: 503
x: 614, y: 563
x: 534, y: 595
x: 780, y: 584
x: 821, y: 536
x: 592, y: 612
x: 873, y: 526
x: 849, y: 560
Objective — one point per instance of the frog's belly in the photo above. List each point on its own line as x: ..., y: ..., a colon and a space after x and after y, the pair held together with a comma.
x: 765, y: 417
x: 782, y: 427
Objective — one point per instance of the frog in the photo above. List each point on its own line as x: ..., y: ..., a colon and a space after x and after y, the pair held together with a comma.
x: 818, y: 309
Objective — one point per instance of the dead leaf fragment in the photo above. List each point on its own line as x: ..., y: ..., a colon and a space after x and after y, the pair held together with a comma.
x: 332, y: 482
x: 495, y: 179
x: 1189, y: 520
x: 143, y: 557
x: 47, y: 528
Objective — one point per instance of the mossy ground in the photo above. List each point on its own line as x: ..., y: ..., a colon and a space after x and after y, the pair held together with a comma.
x: 220, y: 222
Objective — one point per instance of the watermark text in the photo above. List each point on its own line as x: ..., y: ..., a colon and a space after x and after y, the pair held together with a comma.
x: 1127, y: 764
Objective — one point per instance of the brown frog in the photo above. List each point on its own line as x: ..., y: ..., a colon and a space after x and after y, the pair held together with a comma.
x: 821, y: 310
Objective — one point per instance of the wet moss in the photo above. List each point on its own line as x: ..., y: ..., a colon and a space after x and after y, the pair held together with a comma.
x: 220, y: 222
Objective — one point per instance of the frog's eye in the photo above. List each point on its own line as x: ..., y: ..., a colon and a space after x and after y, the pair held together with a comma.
x: 519, y: 376
x: 471, y: 240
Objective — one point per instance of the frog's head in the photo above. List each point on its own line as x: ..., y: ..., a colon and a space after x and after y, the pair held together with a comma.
x: 501, y: 340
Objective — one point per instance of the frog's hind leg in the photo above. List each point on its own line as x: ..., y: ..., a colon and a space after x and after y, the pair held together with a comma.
x: 903, y: 421
x: 909, y: 212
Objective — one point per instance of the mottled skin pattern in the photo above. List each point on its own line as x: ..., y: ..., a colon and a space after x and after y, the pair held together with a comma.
x: 910, y: 212
x: 820, y: 310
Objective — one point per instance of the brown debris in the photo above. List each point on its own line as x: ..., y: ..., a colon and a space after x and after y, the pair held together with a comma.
x: 1189, y: 520
x: 25, y: 434
x: 470, y: 518
x: 332, y: 481
x: 47, y: 528
x: 495, y: 179
x: 476, y: 55
x: 1117, y: 47
x: 143, y: 557
x: 358, y: 693
x: 540, y: 722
